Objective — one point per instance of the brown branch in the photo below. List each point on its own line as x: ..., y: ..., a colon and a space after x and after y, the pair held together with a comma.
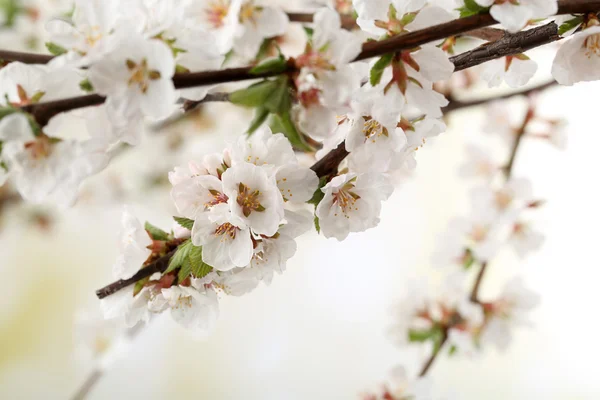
x: 159, y: 265
x: 454, y: 104
x: 25, y: 58
x: 87, y: 385
x: 520, y: 133
x: 477, y: 284
x: 508, y: 45
x: 348, y: 22
x: 434, y: 354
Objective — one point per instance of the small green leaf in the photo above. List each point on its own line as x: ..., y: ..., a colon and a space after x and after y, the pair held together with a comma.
x: 284, y: 124
x: 379, y: 67
x: 185, y: 222
x: 569, y: 25
x: 318, y: 195
x: 275, y: 65
x: 452, y: 350
x: 156, y: 233
x: 199, y: 268
x: 185, y: 270
x: 309, y: 32
x: 280, y: 100
x: 180, y: 256
x: 55, y: 49
x: 468, y: 259
x: 471, y: 8
x: 260, y: 116
x: 420, y: 336
x: 139, y: 285
x: 254, y: 95
x: 317, y: 225
x: 86, y: 86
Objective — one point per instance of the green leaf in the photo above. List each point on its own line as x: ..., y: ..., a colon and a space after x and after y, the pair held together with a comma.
x: 139, y: 285
x: 379, y: 67
x: 452, y: 350
x: 10, y: 9
x: 260, y: 116
x: 280, y: 100
x: 180, y: 256
x: 254, y: 95
x: 199, y: 268
x: 284, y: 124
x: 468, y: 259
x: 317, y: 225
x: 86, y: 86
x: 55, y: 49
x: 309, y: 32
x: 420, y: 336
x: 185, y: 270
x: 275, y: 65
x: 156, y: 233
x: 318, y: 195
x: 569, y: 25
x: 471, y: 8
x: 184, y: 222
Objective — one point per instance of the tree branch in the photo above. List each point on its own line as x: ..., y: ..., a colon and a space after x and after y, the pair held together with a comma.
x: 507, y: 45
x: 429, y: 363
x: 454, y: 105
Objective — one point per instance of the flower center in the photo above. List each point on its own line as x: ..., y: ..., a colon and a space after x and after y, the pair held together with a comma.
x: 346, y: 199
x: 479, y: 233
x: 39, y: 148
x: 93, y: 35
x: 248, y: 200
x: 503, y: 199
x: 226, y: 231
x: 248, y: 13
x: 373, y: 130
x: 183, y: 302
x: 216, y: 12
x: 140, y: 74
x: 592, y: 45
x: 217, y: 198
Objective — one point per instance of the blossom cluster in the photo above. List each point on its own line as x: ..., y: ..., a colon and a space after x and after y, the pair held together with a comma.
x: 240, y: 211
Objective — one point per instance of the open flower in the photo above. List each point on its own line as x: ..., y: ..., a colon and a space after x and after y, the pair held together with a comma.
x: 44, y: 168
x: 254, y: 198
x: 194, y: 309
x: 516, y: 71
x: 515, y: 15
x: 578, y: 59
x: 352, y: 204
x: 226, y: 242
x: 137, y: 74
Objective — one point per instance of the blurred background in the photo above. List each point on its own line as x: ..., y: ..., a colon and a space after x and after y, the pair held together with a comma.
x: 319, y: 331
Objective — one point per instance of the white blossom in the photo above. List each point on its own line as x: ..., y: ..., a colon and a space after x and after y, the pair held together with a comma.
x: 516, y: 71
x: 352, y: 203
x: 515, y: 15
x: 578, y: 59
x: 510, y: 310
x: 137, y: 72
x: 194, y: 309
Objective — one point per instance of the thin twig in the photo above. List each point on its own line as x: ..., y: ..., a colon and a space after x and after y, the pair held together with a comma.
x: 94, y: 377
x: 477, y: 284
x: 428, y: 364
x: 454, y: 104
